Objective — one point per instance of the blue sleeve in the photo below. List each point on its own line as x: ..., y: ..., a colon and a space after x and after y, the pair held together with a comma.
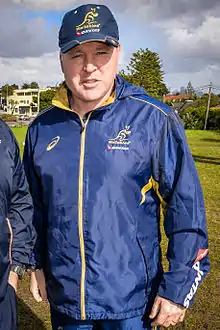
x: 38, y: 255
x: 21, y: 214
x: 184, y: 215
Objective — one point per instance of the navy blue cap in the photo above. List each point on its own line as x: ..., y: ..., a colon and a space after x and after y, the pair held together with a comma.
x: 88, y: 23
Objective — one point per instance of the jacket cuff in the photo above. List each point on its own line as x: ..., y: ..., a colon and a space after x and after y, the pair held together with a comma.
x: 180, y: 287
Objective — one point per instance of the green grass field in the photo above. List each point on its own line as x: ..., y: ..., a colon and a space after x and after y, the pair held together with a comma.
x: 205, y: 313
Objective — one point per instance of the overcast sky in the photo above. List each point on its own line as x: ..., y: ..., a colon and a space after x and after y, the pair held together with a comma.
x: 185, y: 33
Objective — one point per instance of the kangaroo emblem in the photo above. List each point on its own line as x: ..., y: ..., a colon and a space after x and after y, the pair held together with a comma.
x: 122, y: 135
x: 89, y: 18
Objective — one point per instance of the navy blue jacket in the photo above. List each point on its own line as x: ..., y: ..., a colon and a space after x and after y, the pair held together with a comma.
x: 102, y: 186
x: 17, y: 234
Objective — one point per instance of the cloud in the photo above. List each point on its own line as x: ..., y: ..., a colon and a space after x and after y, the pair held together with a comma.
x: 173, y: 9
x: 24, y: 36
x: 202, y: 42
x: 43, y: 4
x: 44, y: 69
x: 185, y: 33
x: 161, y: 8
x: 199, y: 79
x: 194, y: 50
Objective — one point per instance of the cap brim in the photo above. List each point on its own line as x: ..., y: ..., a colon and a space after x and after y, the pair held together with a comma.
x: 88, y: 38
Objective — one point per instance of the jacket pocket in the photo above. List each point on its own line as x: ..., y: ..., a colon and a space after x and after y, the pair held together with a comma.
x: 143, y: 260
x: 11, y: 240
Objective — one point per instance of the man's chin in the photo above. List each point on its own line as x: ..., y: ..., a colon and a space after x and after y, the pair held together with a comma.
x: 90, y: 97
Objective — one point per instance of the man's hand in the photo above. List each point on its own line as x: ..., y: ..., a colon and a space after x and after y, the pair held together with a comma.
x: 165, y: 313
x: 13, y: 280
x: 38, y: 286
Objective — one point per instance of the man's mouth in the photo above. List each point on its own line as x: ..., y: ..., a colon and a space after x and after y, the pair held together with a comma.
x: 89, y: 82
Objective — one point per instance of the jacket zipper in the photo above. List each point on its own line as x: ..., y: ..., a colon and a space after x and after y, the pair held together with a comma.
x: 80, y: 215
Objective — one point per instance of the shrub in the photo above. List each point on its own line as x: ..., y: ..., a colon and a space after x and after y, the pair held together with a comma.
x: 8, y: 118
x: 194, y: 118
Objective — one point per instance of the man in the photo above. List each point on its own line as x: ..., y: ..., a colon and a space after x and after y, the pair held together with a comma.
x: 106, y: 163
x: 16, y: 231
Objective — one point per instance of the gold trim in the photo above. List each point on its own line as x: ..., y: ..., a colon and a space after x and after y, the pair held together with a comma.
x: 60, y: 99
x: 60, y: 105
x: 110, y: 100
x: 156, y: 189
x: 145, y: 189
x: 135, y: 98
x: 155, y: 185
x: 93, y: 14
x: 11, y: 240
x: 80, y: 218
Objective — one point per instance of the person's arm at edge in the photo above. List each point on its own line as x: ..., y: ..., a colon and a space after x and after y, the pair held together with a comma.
x: 37, y: 282
x: 20, y: 218
x: 184, y: 222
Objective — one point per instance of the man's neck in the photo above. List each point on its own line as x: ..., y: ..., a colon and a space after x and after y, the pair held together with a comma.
x: 82, y: 107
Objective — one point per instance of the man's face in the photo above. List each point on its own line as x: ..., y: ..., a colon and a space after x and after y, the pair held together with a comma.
x: 89, y: 70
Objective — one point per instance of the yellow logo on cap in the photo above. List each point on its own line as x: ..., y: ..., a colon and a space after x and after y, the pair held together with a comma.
x: 89, y: 21
x: 53, y: 143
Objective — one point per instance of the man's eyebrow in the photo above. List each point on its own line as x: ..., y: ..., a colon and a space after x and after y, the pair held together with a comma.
x: 107, y: 47
x: 75, y: 51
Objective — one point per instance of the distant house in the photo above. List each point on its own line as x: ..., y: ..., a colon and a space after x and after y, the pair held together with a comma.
x: 24, y: 102
x: 177, y: 98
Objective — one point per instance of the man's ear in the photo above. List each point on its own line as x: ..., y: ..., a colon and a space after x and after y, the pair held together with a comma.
x: 61, y: 61
x: 119, y: 49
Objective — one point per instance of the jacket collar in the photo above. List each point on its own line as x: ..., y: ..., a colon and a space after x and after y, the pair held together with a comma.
x: 122, y: 89
x: 62, y: 97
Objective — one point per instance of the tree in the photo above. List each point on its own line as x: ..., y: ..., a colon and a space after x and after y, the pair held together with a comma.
x: 25, y: 86
x: 34, y: 99
x: 194, y: 117
x: 189, y: 89
x: 34, y: 84
x: 7, y: 90
x: 46, y: 98
x: 12, y: 104
x: 145, y: 69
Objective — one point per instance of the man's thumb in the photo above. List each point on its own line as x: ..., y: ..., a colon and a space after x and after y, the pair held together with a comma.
x: 35, y: 293
x: 155, y: 308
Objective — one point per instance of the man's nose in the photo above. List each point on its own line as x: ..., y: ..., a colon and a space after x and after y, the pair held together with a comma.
x: 89, y: 66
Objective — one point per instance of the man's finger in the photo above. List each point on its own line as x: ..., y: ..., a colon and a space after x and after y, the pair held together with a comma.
x: 13, y: 280
x: 169, y: 321
x: 36, y: 295
x: 41, y: 284
x: 155, y: 308
x: 35, y: 291
x: 43, y: 293
x: 160, y: 319
x: 181, y: 318
x: 34, y: 288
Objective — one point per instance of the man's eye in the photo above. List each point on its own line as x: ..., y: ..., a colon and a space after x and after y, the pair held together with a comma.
x: 101, y: 53
x: 76, y: 56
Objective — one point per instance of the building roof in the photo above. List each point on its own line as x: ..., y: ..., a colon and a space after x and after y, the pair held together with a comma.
x: 177, y: 97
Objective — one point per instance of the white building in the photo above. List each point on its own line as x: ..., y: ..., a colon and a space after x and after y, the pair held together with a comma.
x: 24, y: 102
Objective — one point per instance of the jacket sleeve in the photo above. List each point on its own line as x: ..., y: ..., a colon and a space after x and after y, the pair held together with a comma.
x: 21, y: 214
x: 184, y: 215
x: 38, y: 255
